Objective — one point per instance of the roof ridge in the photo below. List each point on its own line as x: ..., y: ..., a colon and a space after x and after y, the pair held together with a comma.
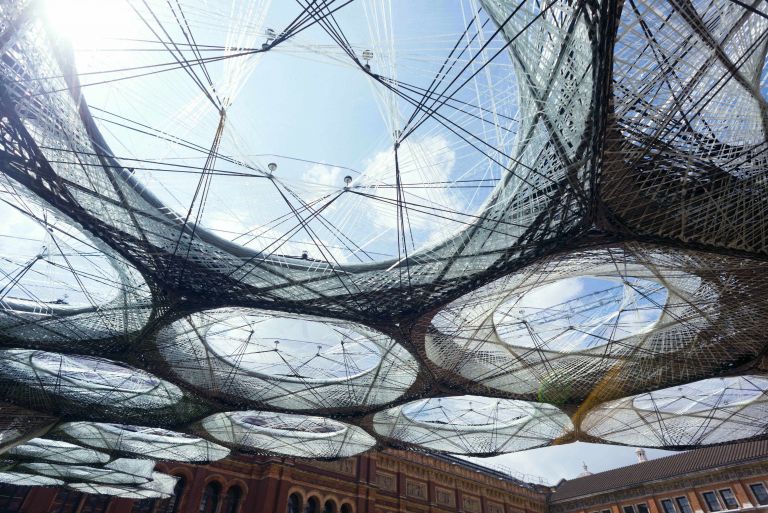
x: 664, y: 467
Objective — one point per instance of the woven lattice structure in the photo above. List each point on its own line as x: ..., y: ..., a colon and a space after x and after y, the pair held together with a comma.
x: 593, y: 267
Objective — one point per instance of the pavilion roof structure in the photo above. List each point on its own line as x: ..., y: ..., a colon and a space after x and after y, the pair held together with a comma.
x: 611, y: 287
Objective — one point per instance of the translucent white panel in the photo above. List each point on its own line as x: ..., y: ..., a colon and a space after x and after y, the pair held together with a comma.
x: 58, y: 452
x: 19, y: 424
x: 83, y: 473
x: 288, y: 434
x: 253, y: 206
x: 477, y: 199
x: 289, y: 361
x: 159, y: 487
x: 468, y: 412
x: 57, y: 283
x: 161, y: 483
x: 299, y: 426
x: 140, y: 468
x: 293, y: 348
x: 710, y: 411
x: 8, y: 435
x: 473, y: 424
x: 87, y: 380
x: 558, y: 327
x: 47, y: 261
x: 23, y: 479
x: 703, y: 396
x: 144, y: 442
x: 581, y: 312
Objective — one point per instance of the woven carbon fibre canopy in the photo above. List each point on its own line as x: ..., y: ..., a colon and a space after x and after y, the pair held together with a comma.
x: 563, y: 237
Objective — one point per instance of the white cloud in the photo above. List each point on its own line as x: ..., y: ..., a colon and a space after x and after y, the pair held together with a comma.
x: 321, y: 180
x: 556, y: 293
x: 270, y: 240
x: 424, y: 161
x: 365, y: 222
x: 565, y: 461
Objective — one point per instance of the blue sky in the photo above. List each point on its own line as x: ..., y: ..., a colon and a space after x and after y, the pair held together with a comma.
x: 306, y: 107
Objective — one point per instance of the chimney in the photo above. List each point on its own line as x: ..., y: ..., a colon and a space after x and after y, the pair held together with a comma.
x: 641, y: 457
x: 586, y: 471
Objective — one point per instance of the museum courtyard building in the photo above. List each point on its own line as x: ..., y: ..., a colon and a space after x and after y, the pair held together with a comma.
x: 709, y: 480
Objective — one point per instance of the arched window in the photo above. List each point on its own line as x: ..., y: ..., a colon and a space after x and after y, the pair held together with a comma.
x: 330, y: 507
x: 139, y: 506
x: 11, y: 497
x: 312, y: 505
x: 210, y: 501
x: 66, y: 501
x: 346, y: 508
x: 172, y: 505
x: 232, y: 500
x: 294, y: 503
x: 95, y: 503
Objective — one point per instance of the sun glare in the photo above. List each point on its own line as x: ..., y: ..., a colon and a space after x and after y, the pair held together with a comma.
x: 90, y: 24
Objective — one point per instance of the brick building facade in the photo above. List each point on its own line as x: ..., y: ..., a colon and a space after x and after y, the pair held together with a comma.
x: 711, y: 480
x: 385, y: 482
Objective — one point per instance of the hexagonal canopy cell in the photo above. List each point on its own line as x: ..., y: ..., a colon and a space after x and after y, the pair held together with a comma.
x: 557, y: 329
x: 57, y: 451
x: 287, y: 361
x: 710, y: 411
x: 84, y: 380
x: 160, y: 486
x: 514, y: 211
x: 123, y: 492
x: 101, y: 475
x: 680, y: 157
x: 287, y: 434
x: 338, y: 213
x: 472, y: 424
x: 142, y: 442
x: 580, y: 312
x: 294, y: 349
x: 58, y: 284
x: 312, y: 191
x: 465, y: 184
x: 26, y: 479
